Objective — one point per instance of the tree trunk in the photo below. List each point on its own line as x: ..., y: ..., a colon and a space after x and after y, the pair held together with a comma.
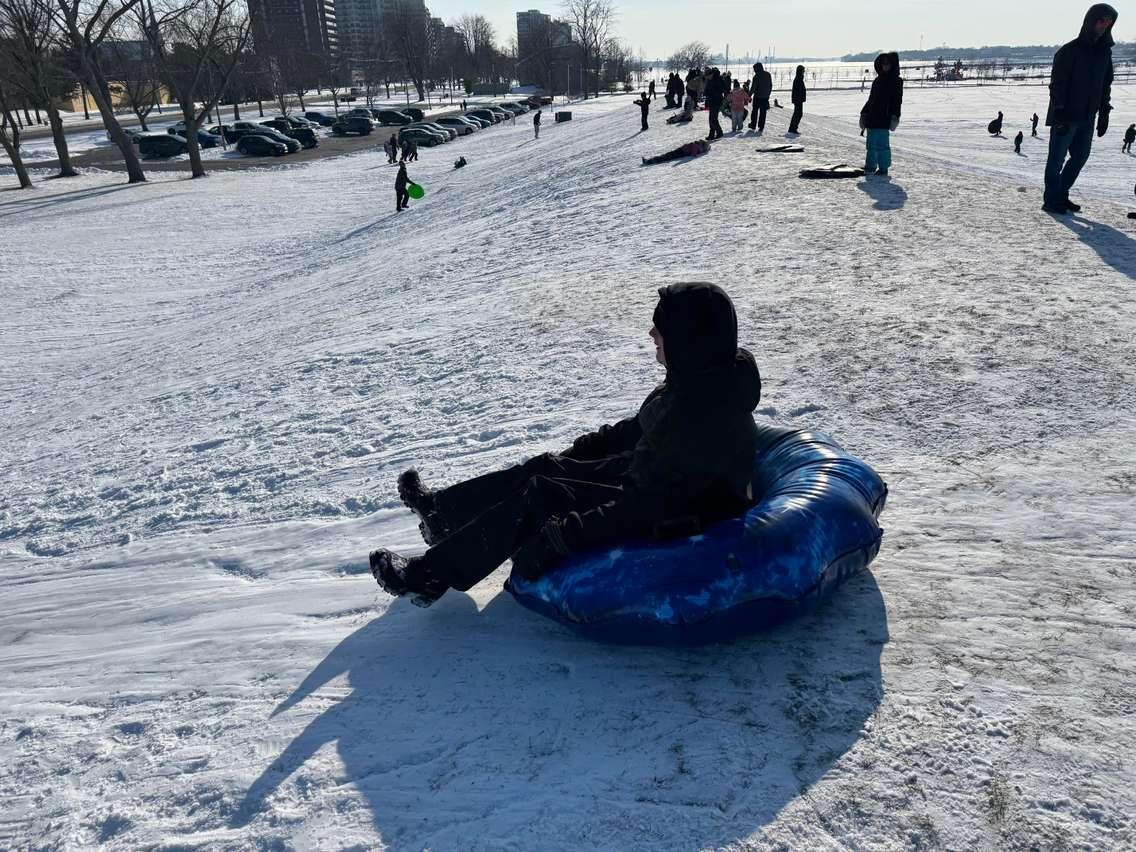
x: 418, y: 88
x: 196, y: 167
x: 300, y: 94
x: 236, y: 109
x: 99, y: 91
x: 27, y: 117
x: 60, y: 140
x: 260, y: 106
x: 83, y: 95
x: 335, y: 102
x: 13, y: 152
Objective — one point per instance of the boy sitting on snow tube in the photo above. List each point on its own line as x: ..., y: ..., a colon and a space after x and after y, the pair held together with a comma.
x: 684, y: 461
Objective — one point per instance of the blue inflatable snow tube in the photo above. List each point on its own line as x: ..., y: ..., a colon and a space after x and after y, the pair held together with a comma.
x: 813, y: 526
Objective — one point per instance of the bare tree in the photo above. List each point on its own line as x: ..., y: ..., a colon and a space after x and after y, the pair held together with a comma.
x: 35, y: 64
x: 85, y: 25
x: 11, y: 143
x: 196, y: 47
x: 693, y: 54
x: 592, y: 22
x: 129, y: 61
x: 407, y: 31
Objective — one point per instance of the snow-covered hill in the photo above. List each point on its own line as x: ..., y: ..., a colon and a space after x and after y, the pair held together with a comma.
x: 209, y: 388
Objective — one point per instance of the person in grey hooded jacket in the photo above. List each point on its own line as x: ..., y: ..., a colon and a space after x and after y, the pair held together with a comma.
x: 1080, y: 90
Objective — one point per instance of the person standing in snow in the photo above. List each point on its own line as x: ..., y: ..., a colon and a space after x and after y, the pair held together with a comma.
x: 1129, y: 138
x: 1018, y: 142
x: 644, y: 103
x: 739, y: 99
x: 683, y: 462
x: 401, y: 196
x: 715, y: 94
x: 387, y: 151
x: 1080, y: 89
x: 1034, y: 121
x: 651, y: 91
x: 760, y: 89
x: 393, y: 148
x: 880, y: 115
x: 800, y: 94
x: 536, y: 124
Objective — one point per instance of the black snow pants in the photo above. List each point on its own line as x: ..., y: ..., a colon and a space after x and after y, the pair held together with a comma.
x: 401, y: 199
x: 757, y: 117
x: 715, y: 120
x: 795, y: 121
x: 492, y: 515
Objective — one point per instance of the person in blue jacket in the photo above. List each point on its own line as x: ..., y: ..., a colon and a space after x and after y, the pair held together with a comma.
x: 880, y: 115
x: 685, y: 460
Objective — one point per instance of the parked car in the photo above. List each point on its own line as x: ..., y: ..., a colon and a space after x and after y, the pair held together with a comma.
x: 421, y: 136
x: 486, y: 114
x: 538, y: 100
x: 238, y: 130
x: 463, y: 126
x: 162, y: 145
x: 480, y: 121
x: 504, y: 113
x: 292, y: 144
x: 514, y: 108
x: 413, y: 112
x: 448, y: 132
x: 353, y: 124
x: 255, y: 145
x: 392, y: 116
x: 305, y: 135
x: 320, y: 118
x: 134, y: 133
x: 205, y: 139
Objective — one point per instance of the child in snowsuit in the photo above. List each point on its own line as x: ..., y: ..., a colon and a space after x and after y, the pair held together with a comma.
x: 739, y: 99
x: 644, y: 104
x: 995, y: 127
x: 1129, y: 138
x: 690, y: 149
x: 1018, y: 142
x: 1034, y: 121
x: 687, y: 113
x: 800, y: 94
x: 536, y: 124
x: 683, y: 462
x: 393, y: 143
x: 401, y: 196
x: 880, y: 115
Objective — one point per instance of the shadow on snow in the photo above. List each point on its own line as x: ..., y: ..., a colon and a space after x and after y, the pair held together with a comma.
x: 886, y: 194
x: 1115, y: 248
x: 467, y: 728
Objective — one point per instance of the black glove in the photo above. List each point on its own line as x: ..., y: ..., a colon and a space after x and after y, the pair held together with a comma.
x: 1102, y: 123
x: 537, y: 556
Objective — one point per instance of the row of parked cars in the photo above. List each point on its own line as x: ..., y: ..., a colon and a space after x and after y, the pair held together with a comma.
x: 277, y: 136
x: 412, y: 123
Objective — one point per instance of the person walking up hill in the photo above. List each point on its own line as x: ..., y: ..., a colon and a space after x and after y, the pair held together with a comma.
x: 1080, y: 90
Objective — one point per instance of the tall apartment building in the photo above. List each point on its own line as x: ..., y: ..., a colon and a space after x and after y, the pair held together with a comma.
x: 363, y: 25
x: 542, y: 45
x: 309, y: 26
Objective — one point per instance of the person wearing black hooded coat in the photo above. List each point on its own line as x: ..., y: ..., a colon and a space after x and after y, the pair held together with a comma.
x: 715, y: 94
x: 683, y: 461
x: 800, y: 94
x: 880, y: 115
x: 760, y: 90
x: 1080, y: 90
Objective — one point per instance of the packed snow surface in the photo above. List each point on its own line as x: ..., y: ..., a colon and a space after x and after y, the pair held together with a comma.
x: 209, y: 387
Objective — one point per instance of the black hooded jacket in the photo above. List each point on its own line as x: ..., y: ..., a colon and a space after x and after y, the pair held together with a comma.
x: 715, y: 90
x: 690, y: 449
x: 800, y: 93
x: 1081, y: 83
x: 886, y: 98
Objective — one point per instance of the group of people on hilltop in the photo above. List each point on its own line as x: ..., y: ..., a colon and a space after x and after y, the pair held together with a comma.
x: 721, y: 93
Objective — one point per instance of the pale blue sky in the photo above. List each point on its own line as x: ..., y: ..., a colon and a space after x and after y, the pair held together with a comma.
x: 813, y: 27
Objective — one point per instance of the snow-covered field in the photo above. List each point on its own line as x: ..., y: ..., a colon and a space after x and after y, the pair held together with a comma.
x: 209, y: 387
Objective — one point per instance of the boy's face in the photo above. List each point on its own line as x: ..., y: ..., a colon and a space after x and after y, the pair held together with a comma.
x: 885, y: 65
x: 660, y: 354
x: 1101, y: 26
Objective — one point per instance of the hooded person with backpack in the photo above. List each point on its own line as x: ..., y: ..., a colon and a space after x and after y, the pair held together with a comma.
x: 1080, y: 91
x: 800, y: 95
x: 684, y: 461
x: 760, y: 89
x: 880, y: 115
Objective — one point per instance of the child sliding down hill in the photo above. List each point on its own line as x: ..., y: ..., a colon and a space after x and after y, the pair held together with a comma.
x: 687, y: 113
x: 690, y: 149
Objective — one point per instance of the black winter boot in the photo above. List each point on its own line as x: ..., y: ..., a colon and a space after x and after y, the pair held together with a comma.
x: 400, y: 576
x: 420, y: 500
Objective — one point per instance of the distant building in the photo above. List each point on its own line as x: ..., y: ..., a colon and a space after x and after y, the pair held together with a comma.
x: 309, y: 26
x: 543, y: 45
x: 364, y: 25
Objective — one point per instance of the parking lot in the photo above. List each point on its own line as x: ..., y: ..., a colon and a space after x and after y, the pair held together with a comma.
x: 106, y: 156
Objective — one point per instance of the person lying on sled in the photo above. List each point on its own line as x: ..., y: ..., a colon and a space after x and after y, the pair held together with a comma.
x: 683, y: 461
